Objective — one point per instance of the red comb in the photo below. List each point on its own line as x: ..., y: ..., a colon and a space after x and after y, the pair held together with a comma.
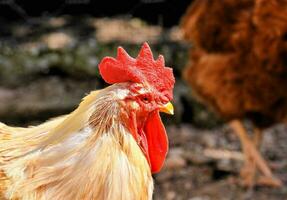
x: 140, y: 70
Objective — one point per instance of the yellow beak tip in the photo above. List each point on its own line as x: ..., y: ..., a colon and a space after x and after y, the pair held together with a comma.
x: 167, y: 108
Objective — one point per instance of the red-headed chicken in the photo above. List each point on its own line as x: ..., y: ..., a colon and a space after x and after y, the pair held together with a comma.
x: 238, y: 68
x: 106, y: 149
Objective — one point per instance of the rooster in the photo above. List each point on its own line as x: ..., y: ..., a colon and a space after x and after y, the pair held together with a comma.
x: 106, y: 149
x: 238, y: 68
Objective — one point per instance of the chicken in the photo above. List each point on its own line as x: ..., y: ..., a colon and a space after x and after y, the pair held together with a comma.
x: 238, y: 68
x: 107, y: 149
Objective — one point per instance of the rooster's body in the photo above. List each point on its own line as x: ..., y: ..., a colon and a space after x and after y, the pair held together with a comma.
x: 89, y: 162
x: 94, y: 153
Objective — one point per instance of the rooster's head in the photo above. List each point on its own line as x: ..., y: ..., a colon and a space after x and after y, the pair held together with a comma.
x: 147, y: 87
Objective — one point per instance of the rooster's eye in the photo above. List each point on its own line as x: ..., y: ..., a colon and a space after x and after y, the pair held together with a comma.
x: 145, y: 99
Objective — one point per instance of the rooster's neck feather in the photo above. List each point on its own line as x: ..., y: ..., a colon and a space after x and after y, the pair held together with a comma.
x: 93, y: 157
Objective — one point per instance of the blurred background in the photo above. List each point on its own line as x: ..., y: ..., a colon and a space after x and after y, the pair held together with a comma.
x: 49, y: 52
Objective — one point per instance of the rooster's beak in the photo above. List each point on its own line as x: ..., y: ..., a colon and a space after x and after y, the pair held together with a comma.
x: 167, y: 108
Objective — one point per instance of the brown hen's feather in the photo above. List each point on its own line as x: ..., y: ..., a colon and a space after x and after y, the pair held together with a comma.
x: 238, y: 65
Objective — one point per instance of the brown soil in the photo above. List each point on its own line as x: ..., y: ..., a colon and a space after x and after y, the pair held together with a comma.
x: 204, y: 165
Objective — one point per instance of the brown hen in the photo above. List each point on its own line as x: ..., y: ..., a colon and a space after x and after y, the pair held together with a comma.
x: 238, y: 67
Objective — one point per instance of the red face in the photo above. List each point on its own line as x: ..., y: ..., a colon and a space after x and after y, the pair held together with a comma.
x: 140, y: 111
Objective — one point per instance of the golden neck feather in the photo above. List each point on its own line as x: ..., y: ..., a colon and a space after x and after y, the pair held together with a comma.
x: 85, y: 155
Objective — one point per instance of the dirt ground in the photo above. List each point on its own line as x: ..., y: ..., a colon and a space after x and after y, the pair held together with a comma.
x: 205, y: 164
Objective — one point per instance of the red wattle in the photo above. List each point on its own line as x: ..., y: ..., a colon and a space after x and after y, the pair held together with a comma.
x: 157, y: 141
